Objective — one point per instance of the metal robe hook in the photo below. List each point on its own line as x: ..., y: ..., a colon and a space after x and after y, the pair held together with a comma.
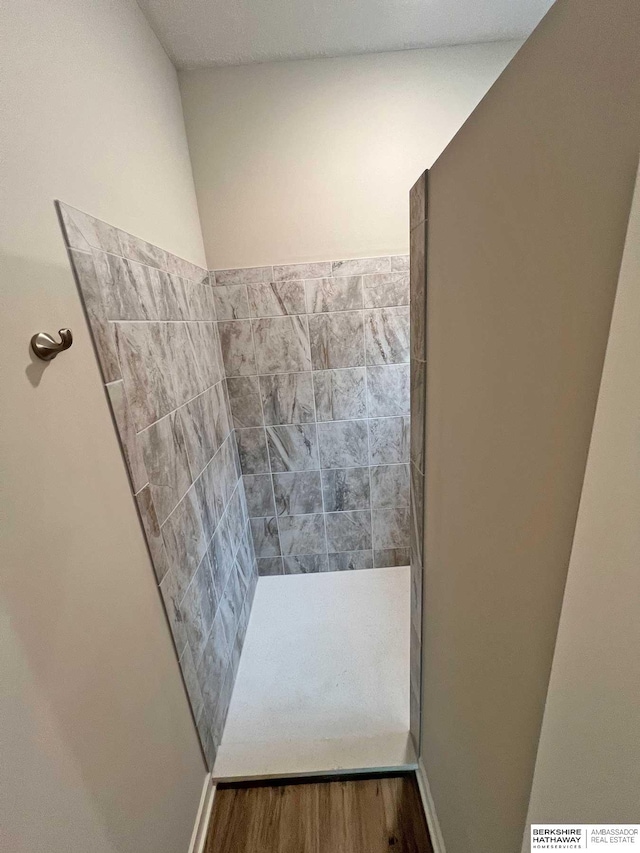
x: 46, y: 348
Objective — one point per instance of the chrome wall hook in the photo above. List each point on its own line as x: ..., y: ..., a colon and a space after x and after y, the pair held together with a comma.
x: 46, y: 348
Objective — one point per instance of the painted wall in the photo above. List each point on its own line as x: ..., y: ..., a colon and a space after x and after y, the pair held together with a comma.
x: 99, y: 750
x: 528, y: 210
x: 588, y: 765
x: 309, y: 160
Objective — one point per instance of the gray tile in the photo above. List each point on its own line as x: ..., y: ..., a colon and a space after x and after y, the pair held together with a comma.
x: 337, y: 340
x: 305, y: 564
x: 346, y: 561
x: 184, y: 540
x: 389, y: 440
x: 390, y: 485
x: 185, y: 269
x: 203, y: 365
x: 205, y: 425
x: 188, y: 667
x: 388, y: 390
x: 282, y: 344
x: 132, y: 291
x: 259, y: 491
x: 297, y: 493
x: 212, y: 666
x: 348, y: 531
x: 128, y: 439
x: 231, y: 302
x: 386, y: 289
x: 387, y: 335
x: 418, y: 201
x: 244, y: 397
x: 152, y: 533
x: 343, y: 444
x: 266, y: 540
x: 165, y: 459
x: 171, y: 596
x: 361, y: 266
x: 237, y: 348
x: 220, y: 553
x: 136, y: 249
x: 399, y: 263
x: 390, y: 558
x: 390, y: 528
x: 87, y: 269
x: 85, y: 232
x: 340, y: 394
x: 334, y: 294
x: 252, y: 450
x: 293, y: 447
x: 417, y: 513
x: 418, y: 391
x: 199, y: 300
x: 418, y: 292
x: 287, y: 398
x: 302, y: 534
x: 198, y: 608
x: 231, y: 606
x: 293, y: 272
x: 270, y: 566
x: 275, y: 299
x: 346, y: 489
x: 248, y: 275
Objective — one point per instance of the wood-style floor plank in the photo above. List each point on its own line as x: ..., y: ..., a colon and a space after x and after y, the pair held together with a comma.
x: 356, y: 816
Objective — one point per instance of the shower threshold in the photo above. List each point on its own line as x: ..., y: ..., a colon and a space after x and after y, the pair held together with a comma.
x: 323, y: 682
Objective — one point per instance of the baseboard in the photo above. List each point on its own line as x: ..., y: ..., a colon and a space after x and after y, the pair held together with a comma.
x: 437, y: 841
x: 199, y: 835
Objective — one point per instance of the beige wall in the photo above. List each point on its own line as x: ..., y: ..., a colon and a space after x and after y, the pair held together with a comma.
x: 588, y: 764
x: 99, y: 751
x: 311, y: 160
x: 527, y: 218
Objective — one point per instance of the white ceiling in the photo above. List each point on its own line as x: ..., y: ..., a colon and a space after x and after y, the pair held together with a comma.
x: 233, y: 32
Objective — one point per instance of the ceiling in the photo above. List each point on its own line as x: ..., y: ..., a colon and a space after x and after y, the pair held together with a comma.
x: 199, y: 33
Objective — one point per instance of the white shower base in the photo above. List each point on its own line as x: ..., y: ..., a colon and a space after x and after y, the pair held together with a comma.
x: 323, y: 682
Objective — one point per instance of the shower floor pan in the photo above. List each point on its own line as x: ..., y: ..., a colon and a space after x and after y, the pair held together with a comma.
x: 323, y: 682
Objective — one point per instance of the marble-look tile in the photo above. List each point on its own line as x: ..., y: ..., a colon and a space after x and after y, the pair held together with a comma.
x: 165, y: 459
x: 399, y: 263
x: 287, y: 398
x: 302, y: 534
x: 418, y: 201
x: 391, y: 557
x: 188, y: 667
x: 345, y: 489
x: 199, y: 299
x: 343, y: 444
x: 389, y: 440
x: 153, y: 535
x: 212, y: 666
x: 418, y: 292
x: 171, y: 596
x: 361, y: 266
x: 276, y: 298
x: 296, y: 272
x: 417, y: 513
x: 201, y: 366
x: 132, y: 291
x: 390, y: 528
x: 184, y: 540
x: 131, y: 449
x: 297, y: 493
x: 418, y: 391
x: 185, y: 269
x: 387, y: 335
x: 348, y: 531
x: 244, y: 397
x: 346, y: 561
x: 86, y: 268
x: 199, y: 607
x: 231, y: 606
x: 252, y: 449
x: 205, y: 425
x: 248, y: 275
x: 305, y: 564
x: 334, y: 294
x: 388, y: 390
x: 220, y: 553
x: 340, y: 394
x: 282, y: 344
x: 231, y: 302
x: 213, y: 487
x: 293, y: 447
x: 136, y: 249
x: 270, y: 566
x: 390, y: 485
x: 259, y: 491
x: 85, y: 232
x: 237, y: 348
x: 337, y: 340
x: 386, y: 289
x: 266, y: 539
x: 145, y: 357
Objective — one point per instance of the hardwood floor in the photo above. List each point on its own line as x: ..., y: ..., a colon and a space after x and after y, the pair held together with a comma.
x: 375, y: 815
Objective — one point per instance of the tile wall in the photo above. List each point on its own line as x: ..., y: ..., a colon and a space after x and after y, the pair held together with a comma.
x: 153, y: 322
x: 316, y: 357
x: 418, y: 203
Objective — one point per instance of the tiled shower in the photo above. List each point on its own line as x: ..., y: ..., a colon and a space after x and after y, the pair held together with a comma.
x: 264, y: 418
